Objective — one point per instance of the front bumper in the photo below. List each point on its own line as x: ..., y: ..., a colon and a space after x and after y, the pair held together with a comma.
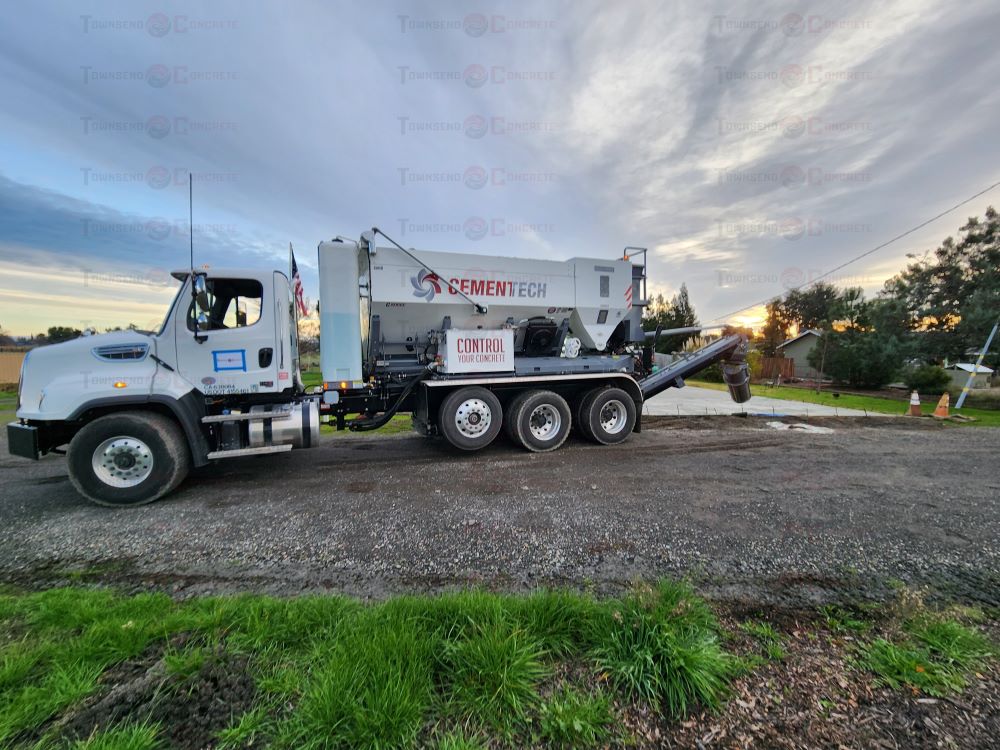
x: 22, y: 440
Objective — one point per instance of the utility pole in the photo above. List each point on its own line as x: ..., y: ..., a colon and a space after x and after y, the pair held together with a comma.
x: 975, y: 369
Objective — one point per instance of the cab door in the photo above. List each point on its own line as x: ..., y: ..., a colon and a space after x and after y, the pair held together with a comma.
x: 287, y: 352
x: 235, y: 351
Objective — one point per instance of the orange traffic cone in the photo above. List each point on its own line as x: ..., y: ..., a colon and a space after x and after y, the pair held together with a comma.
x: 941, y: 412
x: 914, y: 405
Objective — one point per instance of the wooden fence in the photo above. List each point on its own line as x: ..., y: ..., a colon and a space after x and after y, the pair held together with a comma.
x: 772, y: 367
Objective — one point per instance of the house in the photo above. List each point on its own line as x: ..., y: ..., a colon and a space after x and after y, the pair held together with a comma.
x: 797, y: 350
x: 960, y: 372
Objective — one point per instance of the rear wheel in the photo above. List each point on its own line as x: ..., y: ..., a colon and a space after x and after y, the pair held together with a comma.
x: 131, y: 458
x: 470, y: 418
x: 608, y: 415
x: 510, y: 417
x: 541, y: 421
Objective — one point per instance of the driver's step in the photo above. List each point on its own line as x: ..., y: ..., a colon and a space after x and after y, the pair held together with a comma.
x: 236, y: 453
x: 247, y: 416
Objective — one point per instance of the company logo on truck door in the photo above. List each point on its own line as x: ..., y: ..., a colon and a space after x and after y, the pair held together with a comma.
x: 427, y: 284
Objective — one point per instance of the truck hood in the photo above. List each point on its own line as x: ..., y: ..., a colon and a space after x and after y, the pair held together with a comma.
x: 56, y: 379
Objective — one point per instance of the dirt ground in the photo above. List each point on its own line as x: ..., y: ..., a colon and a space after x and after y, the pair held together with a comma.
x: 748, y: 512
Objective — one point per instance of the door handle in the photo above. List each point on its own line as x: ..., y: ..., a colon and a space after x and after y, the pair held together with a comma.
x: 264, y: 357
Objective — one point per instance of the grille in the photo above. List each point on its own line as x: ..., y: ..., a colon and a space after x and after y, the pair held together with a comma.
x: 121, y: 352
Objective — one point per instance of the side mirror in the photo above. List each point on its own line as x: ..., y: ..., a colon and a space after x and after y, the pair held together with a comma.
x: 202, y: 320
x: 201, y: 294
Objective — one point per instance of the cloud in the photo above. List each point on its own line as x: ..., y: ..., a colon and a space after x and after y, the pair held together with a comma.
x: 747, y: 144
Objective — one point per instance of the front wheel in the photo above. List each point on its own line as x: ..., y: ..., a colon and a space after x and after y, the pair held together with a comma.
x: 130, y: 458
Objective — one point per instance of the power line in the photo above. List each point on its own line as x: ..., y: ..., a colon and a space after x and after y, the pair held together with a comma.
x: 864, y: 254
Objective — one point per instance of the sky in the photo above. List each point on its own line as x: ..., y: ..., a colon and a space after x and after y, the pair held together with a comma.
x: 750, y: 146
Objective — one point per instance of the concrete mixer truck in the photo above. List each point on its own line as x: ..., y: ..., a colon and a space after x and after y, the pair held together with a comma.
x: 469, y: 345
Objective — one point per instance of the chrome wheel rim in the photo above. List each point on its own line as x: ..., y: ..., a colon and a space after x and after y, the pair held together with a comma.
x: 122, y: 461
x: 614, y: 417
x: 545, y: 422
x: 473, y: 417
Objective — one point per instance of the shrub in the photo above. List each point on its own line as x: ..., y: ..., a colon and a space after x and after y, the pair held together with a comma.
x: 711, y: 374
x: 927, y: 379
x: 664, y: 648
x: 493, y: 671
x: 859, y: 358
x: 935, y: 658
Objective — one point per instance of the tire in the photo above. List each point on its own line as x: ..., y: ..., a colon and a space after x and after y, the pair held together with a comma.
x: 510, y: 418
x: 542, y: 421
x: 107, y: 458
x: 470, y: 418
x: 609, y: 416
x: 580, y: 422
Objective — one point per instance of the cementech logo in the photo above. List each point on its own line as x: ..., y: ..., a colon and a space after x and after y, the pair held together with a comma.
x: 426, y: 284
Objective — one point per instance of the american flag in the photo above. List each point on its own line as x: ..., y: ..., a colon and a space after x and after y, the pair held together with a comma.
x: 297, y: 290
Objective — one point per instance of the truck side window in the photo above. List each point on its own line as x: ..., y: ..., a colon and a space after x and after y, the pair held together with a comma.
x: 605, y: 286
x: 235, y: 303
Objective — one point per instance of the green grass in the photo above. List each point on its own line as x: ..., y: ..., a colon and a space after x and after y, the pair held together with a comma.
x: 572, y: 719
x: 767, y: 638
x: 825, y: 397
x: 935, y: 656
x: 464, y: 670
x: 123, y: 737
x: 8, y: 405
x: 457, y: 671
x: 494, y: 668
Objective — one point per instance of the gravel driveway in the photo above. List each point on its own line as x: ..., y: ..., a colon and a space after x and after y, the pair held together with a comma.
x: 744, y: 509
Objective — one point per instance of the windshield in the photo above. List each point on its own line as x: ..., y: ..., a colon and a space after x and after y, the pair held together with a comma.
x: 173, y: 304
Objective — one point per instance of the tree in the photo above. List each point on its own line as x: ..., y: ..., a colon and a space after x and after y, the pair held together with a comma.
x: 775, y: 328
x: 5, y: 339
x: 814, y: 307
x: 863, y: 359
x: 55, y: 334
x: 677, y: 313
x: 947, y: 300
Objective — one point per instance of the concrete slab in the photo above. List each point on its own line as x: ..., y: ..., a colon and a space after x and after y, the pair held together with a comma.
x: 692, y: 400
